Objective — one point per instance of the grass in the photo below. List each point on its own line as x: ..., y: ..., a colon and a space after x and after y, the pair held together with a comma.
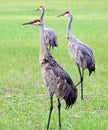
x: 24, y: 101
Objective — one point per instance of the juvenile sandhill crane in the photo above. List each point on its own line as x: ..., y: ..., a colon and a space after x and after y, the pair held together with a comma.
x: 49, y: 34
x: 54, y: 77
x: 80, y: 52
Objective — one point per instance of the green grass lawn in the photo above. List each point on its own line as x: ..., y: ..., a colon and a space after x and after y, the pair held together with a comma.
x: 24, y: 100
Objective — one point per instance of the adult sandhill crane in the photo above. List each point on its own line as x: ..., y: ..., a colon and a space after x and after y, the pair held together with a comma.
x: 54, y: 77
x: 49, y: 34
x: 80, y: 52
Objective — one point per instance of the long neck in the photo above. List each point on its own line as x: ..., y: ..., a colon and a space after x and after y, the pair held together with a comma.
x: 43, y: 11
x: 68, y: 31
x: 43, y: 47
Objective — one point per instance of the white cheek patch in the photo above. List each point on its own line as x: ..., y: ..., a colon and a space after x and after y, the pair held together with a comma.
x: 66, y: 15
x: 40, y: 8
x: 36, y: 23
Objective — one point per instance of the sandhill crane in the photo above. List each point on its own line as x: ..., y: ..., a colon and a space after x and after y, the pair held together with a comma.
x: 80, y: 52
x: 54, y: 77
x: 49, y: 34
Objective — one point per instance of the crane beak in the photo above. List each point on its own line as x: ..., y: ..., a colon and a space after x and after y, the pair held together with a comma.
x: 60, y: 15
x: 28, y: 23
x: 37, y: 9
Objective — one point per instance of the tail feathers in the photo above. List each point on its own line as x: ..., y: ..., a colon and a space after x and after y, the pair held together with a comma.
x: 91, y: 68
x: 53, y: 43
x: 70, y: 96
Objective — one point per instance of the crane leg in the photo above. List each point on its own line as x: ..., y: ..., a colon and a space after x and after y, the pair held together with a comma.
x: 59, y: 106
x: 81, y: 81
x: 51, y: 108
x: 82, y: 85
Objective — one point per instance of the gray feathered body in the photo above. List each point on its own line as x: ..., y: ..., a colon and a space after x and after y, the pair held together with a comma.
x: 58, y: 81
x: 54, y: 77
x: 50, y: 37
x: 49, y: 34
x: 81, y: 54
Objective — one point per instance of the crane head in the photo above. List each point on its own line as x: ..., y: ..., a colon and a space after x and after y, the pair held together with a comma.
x: 34, y: 22
x: 40, y: 8
x: 67, y: 13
